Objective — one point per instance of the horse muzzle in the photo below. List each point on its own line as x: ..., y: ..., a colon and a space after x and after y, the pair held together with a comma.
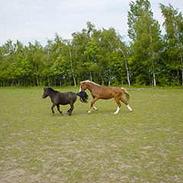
x: 44, y: 96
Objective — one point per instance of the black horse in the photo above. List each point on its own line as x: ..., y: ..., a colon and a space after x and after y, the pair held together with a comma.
x: 59, y: 98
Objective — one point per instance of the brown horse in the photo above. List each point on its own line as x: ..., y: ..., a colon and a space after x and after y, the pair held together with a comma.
x: 103, y: 92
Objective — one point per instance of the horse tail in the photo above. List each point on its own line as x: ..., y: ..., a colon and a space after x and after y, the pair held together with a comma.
x: 127, y: 95
x: 83, y: 96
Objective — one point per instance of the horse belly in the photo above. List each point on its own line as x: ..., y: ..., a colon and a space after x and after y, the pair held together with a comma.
x: 106, y: 96
x: 61, y: 100
x: 69, y: 98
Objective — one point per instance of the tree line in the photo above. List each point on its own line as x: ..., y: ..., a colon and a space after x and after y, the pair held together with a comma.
x: 149, y: 58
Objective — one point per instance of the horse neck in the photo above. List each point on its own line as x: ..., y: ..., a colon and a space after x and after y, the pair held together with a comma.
x: 92, y: 86
x: 52, y: 93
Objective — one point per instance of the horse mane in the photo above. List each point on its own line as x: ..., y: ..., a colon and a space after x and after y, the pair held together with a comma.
x: 88, y: 81
x: 51, y: 89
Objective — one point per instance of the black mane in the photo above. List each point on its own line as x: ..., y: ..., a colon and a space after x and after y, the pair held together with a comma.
x: 49, y: 89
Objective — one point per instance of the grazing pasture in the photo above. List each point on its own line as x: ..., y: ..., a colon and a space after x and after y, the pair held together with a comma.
x: 145, y: 145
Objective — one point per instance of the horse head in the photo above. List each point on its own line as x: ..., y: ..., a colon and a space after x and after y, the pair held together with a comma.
x: 46, y: 92
x: 83, y: 85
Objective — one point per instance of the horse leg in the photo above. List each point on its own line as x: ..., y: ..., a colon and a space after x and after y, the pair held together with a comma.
x: 127, y: 104
x: 117, y: 100
x: 58, y: 108
x: 92, y: 104
x: 71, y: 109
x: 94, y: 107
x: 52, y: 108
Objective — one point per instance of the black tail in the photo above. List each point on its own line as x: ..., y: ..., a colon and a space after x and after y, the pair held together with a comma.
x: 83, y: 96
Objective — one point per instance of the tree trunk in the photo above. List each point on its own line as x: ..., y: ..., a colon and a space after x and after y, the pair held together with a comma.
x: 182, y: 77
x: 71, y: 65
x: 154, y: 79
x: 127, y: 73
x: 102, y: 79
x: 37, y: 81
x: 181, y: 71
x: 74, y: 80
x: 109, y: 82
x: 91, y: 76
x: 127, y: 69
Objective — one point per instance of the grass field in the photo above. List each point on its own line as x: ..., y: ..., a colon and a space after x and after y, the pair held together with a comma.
x: 143, y: 146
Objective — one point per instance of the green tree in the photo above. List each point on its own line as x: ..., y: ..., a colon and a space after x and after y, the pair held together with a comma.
x: 173, y: 41
x: 144, y: 33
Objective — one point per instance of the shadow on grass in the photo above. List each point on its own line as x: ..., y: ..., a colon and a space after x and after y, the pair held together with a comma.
x: 85, y: 113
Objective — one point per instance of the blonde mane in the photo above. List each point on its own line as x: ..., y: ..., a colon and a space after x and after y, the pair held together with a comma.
x: 88, y: 81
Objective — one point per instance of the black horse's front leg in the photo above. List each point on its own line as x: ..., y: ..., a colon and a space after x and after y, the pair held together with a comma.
x: 58, y: 108
x: 70, y: 110
x: 52, y: 108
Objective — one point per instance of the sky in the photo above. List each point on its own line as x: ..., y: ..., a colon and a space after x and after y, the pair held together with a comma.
x: 30, y: 20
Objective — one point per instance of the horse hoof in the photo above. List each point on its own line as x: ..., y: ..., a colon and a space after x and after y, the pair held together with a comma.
x: 89, y: 112
x: 116, y: 113
x: 69, y: 113
x: 129, y: 108
x: 96, y: 109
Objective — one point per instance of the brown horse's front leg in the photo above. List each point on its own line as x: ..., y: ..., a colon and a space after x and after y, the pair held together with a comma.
x: 92, y: 104
x: 94, y: 107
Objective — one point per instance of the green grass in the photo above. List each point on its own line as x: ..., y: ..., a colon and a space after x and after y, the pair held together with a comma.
x: 143, y: 146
